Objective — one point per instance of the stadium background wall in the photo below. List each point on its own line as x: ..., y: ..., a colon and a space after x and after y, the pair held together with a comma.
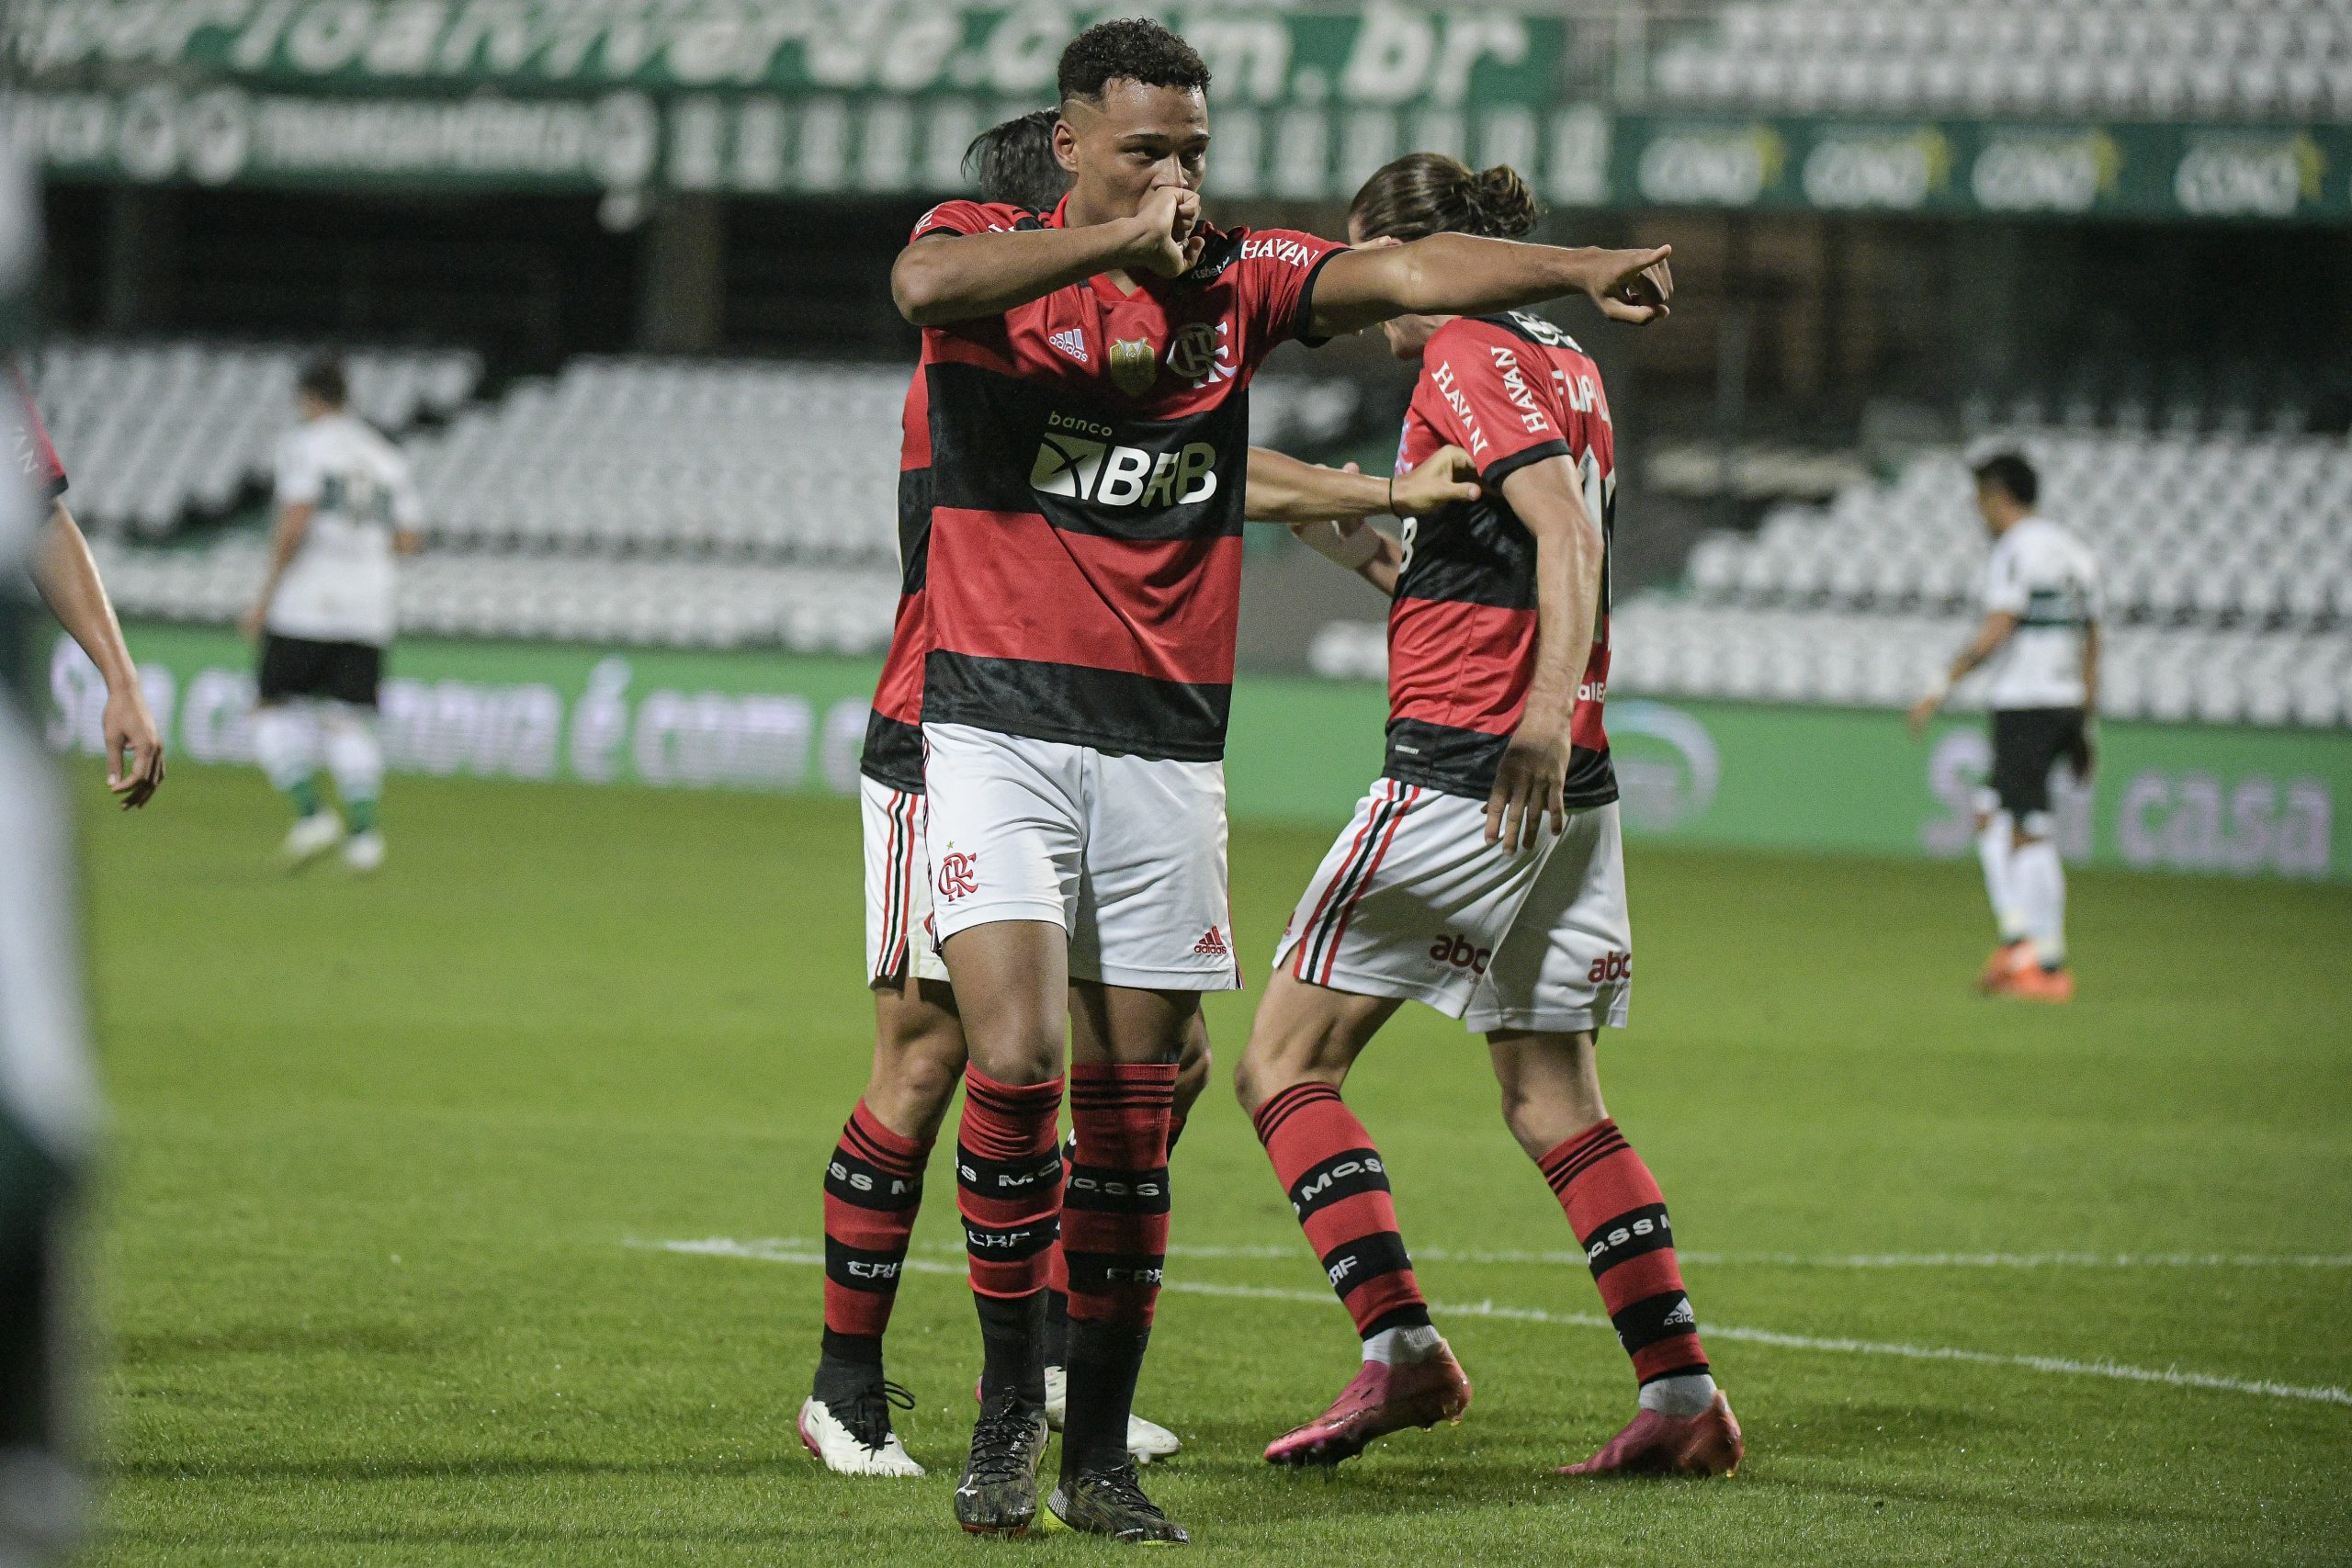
x: 2195, y: 798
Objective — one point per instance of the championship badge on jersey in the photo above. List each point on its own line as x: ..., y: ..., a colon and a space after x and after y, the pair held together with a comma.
x: 1134, y: 365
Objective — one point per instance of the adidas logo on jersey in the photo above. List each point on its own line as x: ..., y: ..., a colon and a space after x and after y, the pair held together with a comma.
x: 1213, y: 945
x: 1072, y: 341
x: 1106, y: 474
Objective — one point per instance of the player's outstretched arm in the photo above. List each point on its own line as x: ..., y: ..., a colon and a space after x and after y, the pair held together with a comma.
x: 68, y: 580
x: 1532, y: 782
x: 1995, y: 630
x: 934, y: 282
x: 1466, y: 274
x: 1282, y: 488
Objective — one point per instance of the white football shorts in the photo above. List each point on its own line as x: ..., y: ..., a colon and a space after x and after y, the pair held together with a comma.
x: 1126, y: 854
x: 898, y: 888
x: 1412, y: 902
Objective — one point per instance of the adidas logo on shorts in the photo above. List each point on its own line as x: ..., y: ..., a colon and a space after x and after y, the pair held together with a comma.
x: 1213, y: 945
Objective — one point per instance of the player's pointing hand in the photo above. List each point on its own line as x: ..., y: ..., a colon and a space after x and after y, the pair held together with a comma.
x: 1445, y: 476
x: 1631, y: 285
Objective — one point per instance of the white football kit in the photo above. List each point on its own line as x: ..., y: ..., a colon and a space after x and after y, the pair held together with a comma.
x: 1412, y: 902
x: 2046, y: 577
x: 898, y: 936
x: 339, y: 586
x: 1126, y: 854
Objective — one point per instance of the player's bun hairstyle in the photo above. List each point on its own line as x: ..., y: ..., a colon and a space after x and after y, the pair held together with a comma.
x: 1014, y: 162
x: 1133, y: 49
x: 2010, y: 473
x: 322, y: 377
x: 1429, y: 193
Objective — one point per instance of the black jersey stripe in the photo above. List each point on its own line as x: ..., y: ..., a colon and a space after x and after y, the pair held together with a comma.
x: 1463, y: 762
x: 1114, y: 711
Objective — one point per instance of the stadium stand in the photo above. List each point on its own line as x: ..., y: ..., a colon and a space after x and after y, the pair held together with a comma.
x: 2166, y: 58
x: 2226, y: 567
x: 153, y: 431
x: 635, y: 500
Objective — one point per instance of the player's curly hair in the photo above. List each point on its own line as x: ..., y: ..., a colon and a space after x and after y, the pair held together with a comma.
x: 1429, y: 193
x: 1014, y: 162
x: 1132, y: 49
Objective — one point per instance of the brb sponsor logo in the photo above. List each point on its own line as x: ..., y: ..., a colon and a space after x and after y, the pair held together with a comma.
x: 1077, y: 459
x: 1609, y: 968
x: 1458, y: 951
x: 959, y: 875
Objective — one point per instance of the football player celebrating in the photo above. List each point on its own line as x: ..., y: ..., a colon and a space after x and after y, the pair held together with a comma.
x: 1088, y: 375
x: 1482, y: 874
x: 873, y: 1177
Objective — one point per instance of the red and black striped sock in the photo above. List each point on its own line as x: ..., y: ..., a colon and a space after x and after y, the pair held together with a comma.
x: 1114, y: 1241
x: 1058, y: 1266
x: 1338, y: 1190
x: 873, y: 1189
x: 1614, y: 1207
x: 1008, y: 1190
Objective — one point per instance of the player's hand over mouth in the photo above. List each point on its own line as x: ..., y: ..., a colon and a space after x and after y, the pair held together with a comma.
x: 1168, y: 241
x: 1445, y: 476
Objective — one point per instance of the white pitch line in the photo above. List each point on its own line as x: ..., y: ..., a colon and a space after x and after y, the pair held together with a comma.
x: 1807, y: 1259
x: 795, y: 1252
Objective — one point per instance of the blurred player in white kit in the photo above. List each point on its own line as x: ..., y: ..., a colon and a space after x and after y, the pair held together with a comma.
x: 346, y: 506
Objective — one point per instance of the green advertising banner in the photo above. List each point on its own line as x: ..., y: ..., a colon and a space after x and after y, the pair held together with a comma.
x: 2235, y: 802
x: 1383, y: 53
x: 2290, y: 173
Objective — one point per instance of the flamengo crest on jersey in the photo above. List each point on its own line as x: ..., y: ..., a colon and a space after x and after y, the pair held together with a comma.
x: 1511, y: 391
x: 1084, y: 521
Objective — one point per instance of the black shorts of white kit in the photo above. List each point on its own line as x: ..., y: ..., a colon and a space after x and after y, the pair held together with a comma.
x: 295, y: 667
x: 2027, y: 743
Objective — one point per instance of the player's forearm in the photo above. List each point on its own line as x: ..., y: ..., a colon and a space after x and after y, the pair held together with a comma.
x: 966, y: 276
x: 1284, y: 490
x: 293, y: 527
x: 68, y: 580
x: 1567, y: 608
x: 1447, y: 275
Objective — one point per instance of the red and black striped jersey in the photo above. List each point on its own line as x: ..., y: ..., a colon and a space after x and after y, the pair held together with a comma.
x: 893, y: 727
x: 1511, y: 390
x: 28, y: 444
x: 1087, y: 454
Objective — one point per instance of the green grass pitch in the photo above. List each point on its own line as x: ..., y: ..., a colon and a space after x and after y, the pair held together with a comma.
x: 376, y: 1248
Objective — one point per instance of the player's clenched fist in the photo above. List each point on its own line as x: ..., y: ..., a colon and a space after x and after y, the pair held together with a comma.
x: 1445, y: 476
x: 1168, y: 237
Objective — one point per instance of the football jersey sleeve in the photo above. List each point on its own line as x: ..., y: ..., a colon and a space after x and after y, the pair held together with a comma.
x: 1275, y: 275
x: 36, y: 457
x: 959, y: 217
x: 1484, y: 392
x: 2008, y: 588
x: 302, y: 480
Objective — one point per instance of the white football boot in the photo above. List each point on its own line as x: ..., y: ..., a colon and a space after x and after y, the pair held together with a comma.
x: 363, y: 853
x: 1147, y: 1440
x: 874, y: 1449
x: 310, y: 838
